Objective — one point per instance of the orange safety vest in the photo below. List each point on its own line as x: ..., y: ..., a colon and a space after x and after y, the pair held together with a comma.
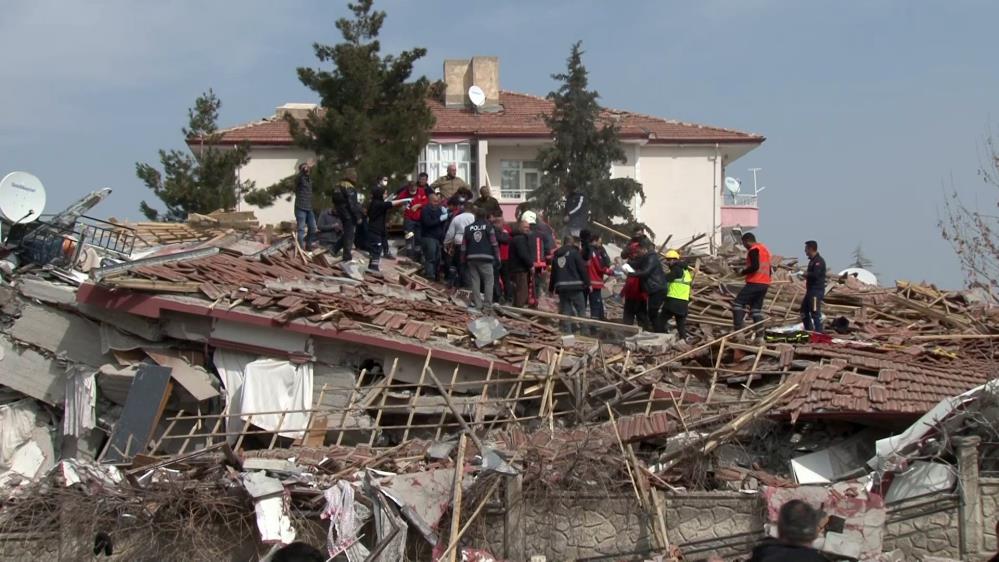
x: 761, y: 275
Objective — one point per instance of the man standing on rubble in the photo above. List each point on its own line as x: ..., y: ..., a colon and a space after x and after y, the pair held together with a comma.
x: 480, y: 254
x: 571, y: 280
x: 348, y: 208
x: 450, y: 184
x: 463, y: 216
x: 378, y: 209
x: 432, y: 220
x: 649, y: 270
x: 305, y: 214
x: 521, y: 263
x: 815, y: 288
x: 577, y: 215
x: 636, y: 302
x: 797, y: 528
x: 419, y: 195
x: 754, y: 292
x: 679, y: 278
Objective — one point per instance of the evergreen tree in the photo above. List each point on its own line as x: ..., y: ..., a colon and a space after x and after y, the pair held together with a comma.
x: 585, y: 145
x: 373, y: 117
x: 203, y: 180
x: 860, y: 259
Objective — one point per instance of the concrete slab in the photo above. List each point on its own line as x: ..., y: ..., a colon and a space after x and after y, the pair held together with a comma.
x: 62, y: 333
x: 31, y: 373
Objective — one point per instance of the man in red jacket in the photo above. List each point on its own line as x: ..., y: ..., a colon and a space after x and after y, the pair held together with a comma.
x: 636, y: 307
x: 419, y: 192
x: 599, y: 266
x: 504, y: 235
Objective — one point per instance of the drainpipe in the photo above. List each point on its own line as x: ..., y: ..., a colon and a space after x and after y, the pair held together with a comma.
x: 714, y: 202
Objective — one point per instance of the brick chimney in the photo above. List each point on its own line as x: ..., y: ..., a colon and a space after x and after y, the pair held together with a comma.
x: 462, y: 74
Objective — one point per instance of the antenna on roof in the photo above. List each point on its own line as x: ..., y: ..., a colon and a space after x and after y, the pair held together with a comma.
x: 756, y: 190
x: 477, y: 96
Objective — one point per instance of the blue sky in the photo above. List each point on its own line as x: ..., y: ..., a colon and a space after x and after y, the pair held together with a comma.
x: 871, y: 109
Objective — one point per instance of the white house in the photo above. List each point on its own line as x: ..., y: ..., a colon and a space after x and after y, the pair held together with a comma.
x: 681, y: 165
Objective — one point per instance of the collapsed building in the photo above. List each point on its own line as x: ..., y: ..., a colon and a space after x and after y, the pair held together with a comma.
x: 208, y: 390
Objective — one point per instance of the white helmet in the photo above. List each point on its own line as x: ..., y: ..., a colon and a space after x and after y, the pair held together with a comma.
x: 530, y: 216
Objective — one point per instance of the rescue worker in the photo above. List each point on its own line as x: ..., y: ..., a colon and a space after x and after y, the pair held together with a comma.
x: 636, y: 307
x: 571, y: 281
x: 649, y: 270
x: 679, y: 278
x: 599, y: 267
x: 419, y: 195
x: 815, y: 288
x: 479, y: 255
x: 757, y: 273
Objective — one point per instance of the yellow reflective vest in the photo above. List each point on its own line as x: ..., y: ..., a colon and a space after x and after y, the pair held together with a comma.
x: 680, y: 288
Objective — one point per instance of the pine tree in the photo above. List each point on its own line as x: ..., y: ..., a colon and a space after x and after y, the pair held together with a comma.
x: 860, y: 259
x: 373, y: 117
x: 203, y: 180
x: 585, y: 145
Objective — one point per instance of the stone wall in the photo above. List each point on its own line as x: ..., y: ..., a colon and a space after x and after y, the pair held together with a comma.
x: 572, y: 527
x: 989, y: 490
x: 924, y: 526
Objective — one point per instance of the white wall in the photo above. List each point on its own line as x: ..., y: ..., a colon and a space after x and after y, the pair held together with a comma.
x: 267, y: 166
x: 680, y: 190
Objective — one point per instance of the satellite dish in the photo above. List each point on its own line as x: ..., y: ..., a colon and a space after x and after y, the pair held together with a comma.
x: 477, y: 96
x: 22, y: 197
x: 733, y: 185
x: 861, y: 274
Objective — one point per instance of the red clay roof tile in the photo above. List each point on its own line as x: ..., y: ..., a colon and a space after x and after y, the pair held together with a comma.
x: 521, y: 116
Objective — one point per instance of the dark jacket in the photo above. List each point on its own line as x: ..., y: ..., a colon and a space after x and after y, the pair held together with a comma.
x: 490, y: 205
x: 544, y: 232
x: 303, y: 191
x: 479, y: 243
x: 577, y: 210
x: 521, y: 244
x: 650, y: 270
x: 569, y: 272
x: 348, y: 208
x: 815, y: 275
x: 378, y: 210
x: 773, y: 551
x: 330, y: 226
x: 431, y: 222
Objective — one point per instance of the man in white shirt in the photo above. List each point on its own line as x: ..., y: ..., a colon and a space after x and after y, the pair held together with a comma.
x: 464, y: 216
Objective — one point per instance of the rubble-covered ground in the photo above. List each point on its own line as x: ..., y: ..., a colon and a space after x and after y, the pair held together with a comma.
x: 182, y: 391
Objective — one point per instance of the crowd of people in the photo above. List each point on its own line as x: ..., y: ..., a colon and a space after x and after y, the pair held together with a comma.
x: 463, y: 239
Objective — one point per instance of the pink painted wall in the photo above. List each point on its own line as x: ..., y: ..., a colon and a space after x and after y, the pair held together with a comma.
x: 746, y: 217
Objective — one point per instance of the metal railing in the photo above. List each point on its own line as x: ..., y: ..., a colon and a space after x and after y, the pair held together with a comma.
x: 740, y: 200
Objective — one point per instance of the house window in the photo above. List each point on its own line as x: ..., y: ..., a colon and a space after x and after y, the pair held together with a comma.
x: 435, y: 158
x: 518, y: 179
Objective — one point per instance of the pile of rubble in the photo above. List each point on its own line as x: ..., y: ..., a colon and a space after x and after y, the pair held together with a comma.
x: 172, y: 384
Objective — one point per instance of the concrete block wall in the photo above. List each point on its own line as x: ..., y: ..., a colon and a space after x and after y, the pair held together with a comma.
x: 989, y: 490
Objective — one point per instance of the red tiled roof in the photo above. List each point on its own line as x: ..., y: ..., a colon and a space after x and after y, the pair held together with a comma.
x: 884, y: 383
x: 520, y: 116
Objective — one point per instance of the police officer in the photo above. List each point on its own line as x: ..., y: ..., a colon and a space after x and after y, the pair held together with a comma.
x: 815, y: 288
x: 679, y: 279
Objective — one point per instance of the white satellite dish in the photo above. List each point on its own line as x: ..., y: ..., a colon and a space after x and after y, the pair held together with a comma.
x: 861, y: 274
x: 22, y: 197
x: 733, y: 185
x: 477, y: 96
